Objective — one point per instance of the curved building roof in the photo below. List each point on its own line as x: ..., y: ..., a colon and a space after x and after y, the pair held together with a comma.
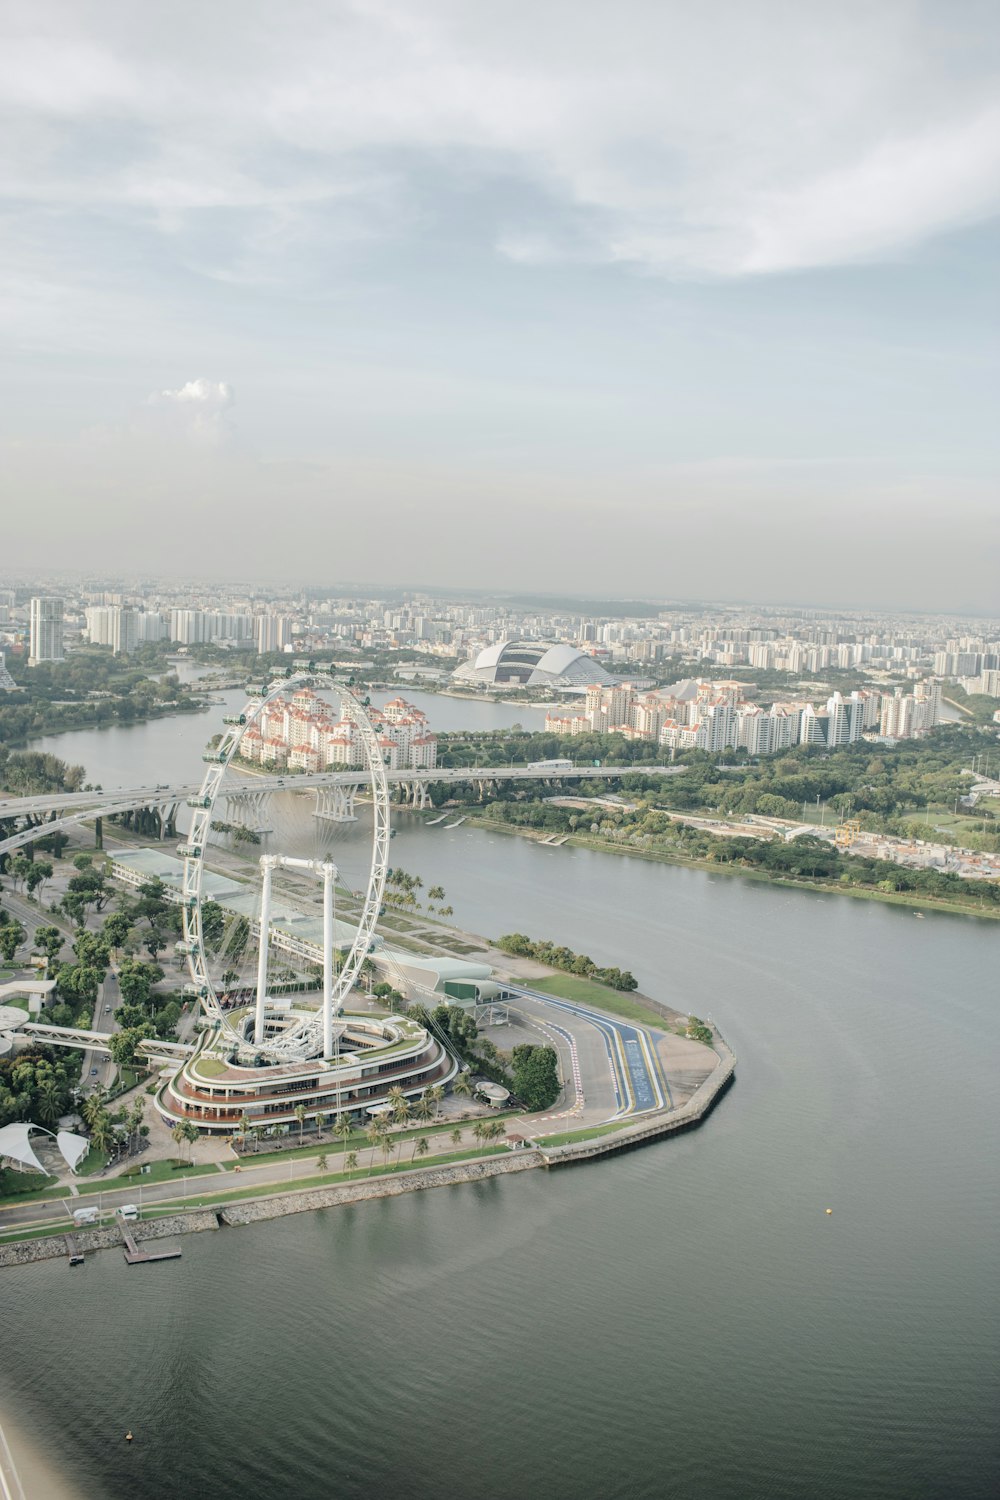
x: 533, y: 664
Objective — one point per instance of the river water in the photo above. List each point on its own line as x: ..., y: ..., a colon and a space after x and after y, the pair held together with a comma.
x: 682, y: 1321
x: 169, y: 749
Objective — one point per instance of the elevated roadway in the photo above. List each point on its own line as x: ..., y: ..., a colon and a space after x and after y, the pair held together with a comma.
x: 67, y: 809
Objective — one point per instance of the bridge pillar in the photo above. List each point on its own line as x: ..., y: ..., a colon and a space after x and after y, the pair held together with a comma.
x: 267, y: 865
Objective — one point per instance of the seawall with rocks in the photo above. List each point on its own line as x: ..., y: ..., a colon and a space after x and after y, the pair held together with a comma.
x: 52, y: 1246
x: 416, y: 1179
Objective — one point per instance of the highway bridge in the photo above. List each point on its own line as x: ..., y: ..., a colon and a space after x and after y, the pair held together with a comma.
x: 335, y: 793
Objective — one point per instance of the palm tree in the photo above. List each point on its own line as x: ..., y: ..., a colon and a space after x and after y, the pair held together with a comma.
x: 388, y: 1147
x: 462, y: 1084
x: 422, y: 1147
x: 178, y: 1132
x: 373, y: 1135
x: 343, y: 1129
x: 244, y: 1126
x: 395, y: 1096
x: 320, y: 1123
x: 93, y: 1106
x: 321, y: 1162
x: 256, y: 1132
x: 351, y: 1162
x: 479, y: 1130
x: 456, y: 1137
x: 435, y: 1094
x: 402, y: 1111
x: 300, y: 1115
x: 424, y: 1107
x: 101, y: 1132
x: 135, y: 1119
x: 190, y: 1132
x: 49, y: 1100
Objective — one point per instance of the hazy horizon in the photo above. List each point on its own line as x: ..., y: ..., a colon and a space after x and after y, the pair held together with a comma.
x: 651, y: 303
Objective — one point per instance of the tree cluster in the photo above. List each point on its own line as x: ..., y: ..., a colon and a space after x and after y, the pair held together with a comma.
x: 558, y: 957
x: 91, y: 687
x: 535, y: 1073
x: 36, y: 1085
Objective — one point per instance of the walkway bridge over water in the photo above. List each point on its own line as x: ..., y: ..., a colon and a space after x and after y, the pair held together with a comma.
x: 335, y: 795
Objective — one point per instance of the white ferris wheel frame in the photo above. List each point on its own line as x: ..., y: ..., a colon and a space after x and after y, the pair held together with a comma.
x: 301, y: 1039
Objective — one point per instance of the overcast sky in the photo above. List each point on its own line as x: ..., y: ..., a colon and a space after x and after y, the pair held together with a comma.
x: 650, y: 298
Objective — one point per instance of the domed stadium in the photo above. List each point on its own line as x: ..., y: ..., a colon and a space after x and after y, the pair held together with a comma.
x: 532, y: 664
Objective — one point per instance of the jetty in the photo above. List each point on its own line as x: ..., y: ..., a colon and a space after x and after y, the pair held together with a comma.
x: 135, y: 1255
x: 435, y: 821
x: 73, y: 1251
x: 449, y: 826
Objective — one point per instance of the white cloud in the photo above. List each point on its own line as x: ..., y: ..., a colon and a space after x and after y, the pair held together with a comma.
x: 198, y: 407
x: 212, y: 393
x: 730, y: 138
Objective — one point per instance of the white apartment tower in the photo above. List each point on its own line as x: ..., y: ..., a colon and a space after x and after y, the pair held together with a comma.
x: 271, y: 633
x: 124, y: 631
x: 46, y: 631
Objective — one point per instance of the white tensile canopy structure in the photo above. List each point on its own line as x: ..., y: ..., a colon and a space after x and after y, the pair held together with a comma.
x: 15, y: 1144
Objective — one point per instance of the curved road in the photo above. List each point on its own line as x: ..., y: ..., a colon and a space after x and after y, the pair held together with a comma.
x: 639, y: 1080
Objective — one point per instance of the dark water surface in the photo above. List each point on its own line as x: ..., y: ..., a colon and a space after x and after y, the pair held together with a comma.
x: 682, y: 1321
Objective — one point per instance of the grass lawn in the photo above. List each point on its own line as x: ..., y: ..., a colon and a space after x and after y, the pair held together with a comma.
x: 358, y: 1141
x: 160, y: 1171
x: 210, y: 1067
x: 615, y: 1002
x: 36, y: 1234
x: 582, y: 1135
x: 92, y: 1162
x: 16, y: 1184
x: 949, y: 824
x: 329, y: 1179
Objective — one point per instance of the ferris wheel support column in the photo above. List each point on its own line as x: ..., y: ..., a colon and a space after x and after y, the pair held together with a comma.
x: 329, y: 875
x: 267, y: 864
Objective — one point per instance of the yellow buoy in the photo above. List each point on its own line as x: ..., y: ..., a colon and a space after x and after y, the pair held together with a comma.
x: 128, y: 1437
x: 829, y: 1210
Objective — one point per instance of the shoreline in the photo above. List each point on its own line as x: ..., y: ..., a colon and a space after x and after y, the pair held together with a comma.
x: 26, y: 1472
x: 590, y: 1142
x: 26, y: 742
x: 911, y: 899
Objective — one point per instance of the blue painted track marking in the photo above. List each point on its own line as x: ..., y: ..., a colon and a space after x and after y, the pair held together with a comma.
x: 629, y: 1056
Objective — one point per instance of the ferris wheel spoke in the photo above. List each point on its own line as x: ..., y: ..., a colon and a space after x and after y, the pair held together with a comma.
x: 309, y: 1036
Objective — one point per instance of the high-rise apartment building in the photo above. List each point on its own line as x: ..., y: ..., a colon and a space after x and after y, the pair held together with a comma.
x: 124, y: 631
x: 271, y: 633
x: 46, y: 630
x: 151, y: 627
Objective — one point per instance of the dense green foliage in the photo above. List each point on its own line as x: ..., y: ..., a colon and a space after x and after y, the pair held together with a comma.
x: 36, y: 1085
x: 519, y: 747
x: 875, y: 782
x: 805, y: 857
x: 91, y: 687
x: 978, y: 706
x: 535, y: 1074
x: 564, y: 958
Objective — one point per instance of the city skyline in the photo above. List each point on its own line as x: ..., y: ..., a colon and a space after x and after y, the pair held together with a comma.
x: 667, y: 304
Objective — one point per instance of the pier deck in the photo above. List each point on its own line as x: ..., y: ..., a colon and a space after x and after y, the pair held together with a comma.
x: 135, y: 1255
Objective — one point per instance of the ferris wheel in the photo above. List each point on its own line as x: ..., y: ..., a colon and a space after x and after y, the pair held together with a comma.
x: 309, y: 1036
